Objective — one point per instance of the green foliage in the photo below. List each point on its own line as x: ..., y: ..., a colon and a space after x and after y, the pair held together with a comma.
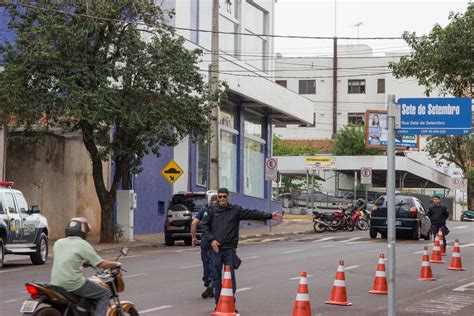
x: 350, y: 141
x: 124, y: 73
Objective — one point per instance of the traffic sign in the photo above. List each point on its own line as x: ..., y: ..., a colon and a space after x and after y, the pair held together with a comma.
x: 459, y: 184
x: 435, y: 116
x: 271, y: 169
x: 365, y: 175
x: 172, y: 172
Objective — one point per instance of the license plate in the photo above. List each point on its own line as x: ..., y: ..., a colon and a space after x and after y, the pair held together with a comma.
x: 28, y: 306
x: 397, y: 223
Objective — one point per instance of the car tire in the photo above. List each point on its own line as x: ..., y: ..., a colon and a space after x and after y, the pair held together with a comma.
x: 372, y: 233
x: 416, y: 234
x: 41, y: 254
x: 169, y: 241
x: 2, y: 252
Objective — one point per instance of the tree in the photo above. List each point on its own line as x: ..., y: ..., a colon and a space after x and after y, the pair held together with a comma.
x: 445, y: 59
x: 113, y: 71
x: 350, y: 141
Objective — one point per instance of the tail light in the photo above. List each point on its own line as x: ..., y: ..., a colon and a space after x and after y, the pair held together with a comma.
x: 32, y: 290
x: 413, y: 212
x: 373, y: 210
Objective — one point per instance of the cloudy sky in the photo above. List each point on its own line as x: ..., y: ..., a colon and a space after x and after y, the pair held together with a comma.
x: 380, y: 18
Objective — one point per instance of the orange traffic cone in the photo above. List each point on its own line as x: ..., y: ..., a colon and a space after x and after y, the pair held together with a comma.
x: 456, y: 258
x: 442, y: 246
x: 426, y: 274
x: 225, y: 306
x: 380, y: 282
x: 338, y: 295
x: 436, y: 253
x: 302, y: 306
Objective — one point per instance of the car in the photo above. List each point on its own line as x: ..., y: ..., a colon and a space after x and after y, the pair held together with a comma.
x: 411, y: 218
x: 182, y: 208
x: 467, y: 216
x: 23, y: 230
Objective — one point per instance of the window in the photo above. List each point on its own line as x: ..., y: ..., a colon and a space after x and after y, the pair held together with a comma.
x: 228, y: 160
x: 22, y: 205
x: 10, y: 203
x: 307, y: 87
x: 253, y: 125
x: 227, y: 42
x: 356, y: 86
x: 202, y: 150
x: 380, y: 85
x: 227, y: 115
x: 255, y: 21
x: 253, y: 168
x: 282, y: 83
x: 161, y: 208
x: 355, y: 118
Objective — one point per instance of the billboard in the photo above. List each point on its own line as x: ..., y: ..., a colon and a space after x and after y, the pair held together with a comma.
x: 376, y: 132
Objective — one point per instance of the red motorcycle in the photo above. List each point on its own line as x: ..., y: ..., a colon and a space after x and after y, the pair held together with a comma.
x: 358, y: 217
x: 340, y: 219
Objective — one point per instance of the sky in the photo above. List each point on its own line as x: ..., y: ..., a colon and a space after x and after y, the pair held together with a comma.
x: 380, y: 18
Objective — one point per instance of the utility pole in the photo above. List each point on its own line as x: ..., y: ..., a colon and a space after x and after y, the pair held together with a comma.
x: 334, y: 90
x: 213, y: 175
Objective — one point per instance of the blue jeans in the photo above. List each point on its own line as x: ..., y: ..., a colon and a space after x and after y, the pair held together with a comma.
x: 219, y: 259
x: 206, y: 262
x: 436, y: 228
x: 95, y: 292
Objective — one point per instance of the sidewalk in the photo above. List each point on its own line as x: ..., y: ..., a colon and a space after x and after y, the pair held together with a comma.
x: 291, y: 225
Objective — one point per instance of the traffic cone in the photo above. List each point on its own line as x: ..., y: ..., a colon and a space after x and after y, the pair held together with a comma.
x: 338, y: 295
x: 426, y: 274
x: 456, y: 258
x: 442, y: 246
x: 380, y: 282
x: 302, y: 306
x: 436, y: 253
x: 225, y: 306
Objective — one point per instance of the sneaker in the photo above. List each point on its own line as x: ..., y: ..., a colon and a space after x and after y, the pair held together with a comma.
x: 208, y: 292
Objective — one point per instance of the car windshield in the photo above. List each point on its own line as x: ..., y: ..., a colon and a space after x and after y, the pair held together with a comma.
x: 399, y: 201
x: 191, y: 202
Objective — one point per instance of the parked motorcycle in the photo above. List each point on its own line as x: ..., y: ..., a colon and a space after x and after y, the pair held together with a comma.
x: 50, y: 300
x: 339, y: 219
x: 467, y: 216
x: 359, y: 215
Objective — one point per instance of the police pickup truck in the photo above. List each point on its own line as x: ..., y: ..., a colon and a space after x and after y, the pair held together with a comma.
x: 23, y: 230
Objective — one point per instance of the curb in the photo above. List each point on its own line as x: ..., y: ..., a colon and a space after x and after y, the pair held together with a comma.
x: 304, y: 232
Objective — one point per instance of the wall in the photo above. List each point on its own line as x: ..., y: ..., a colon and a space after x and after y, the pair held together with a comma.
x: 56, y: 173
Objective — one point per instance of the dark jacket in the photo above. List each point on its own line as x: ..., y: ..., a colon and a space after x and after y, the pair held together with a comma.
x: 438, y: 214
x: 222, y: 224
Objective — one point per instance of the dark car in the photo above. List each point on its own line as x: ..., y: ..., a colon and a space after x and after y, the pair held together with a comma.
x: 467, y: 216
x: 182, y: 208
x: 411, y: 218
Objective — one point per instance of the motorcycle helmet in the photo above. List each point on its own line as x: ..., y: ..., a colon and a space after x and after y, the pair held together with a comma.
x: 360, y: 203
x: 78, y: 226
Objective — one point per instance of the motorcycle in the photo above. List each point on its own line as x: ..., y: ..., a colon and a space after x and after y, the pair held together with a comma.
x: 467, y: 216
x: 339, y: 219
x: 50, y: 300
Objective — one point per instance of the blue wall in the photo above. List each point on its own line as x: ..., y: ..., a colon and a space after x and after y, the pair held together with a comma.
x: 6, y: 35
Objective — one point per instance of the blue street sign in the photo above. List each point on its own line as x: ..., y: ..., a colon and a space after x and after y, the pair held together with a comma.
x: 435, y: 116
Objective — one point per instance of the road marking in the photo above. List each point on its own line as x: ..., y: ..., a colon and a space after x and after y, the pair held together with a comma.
x: 244, y: 289
x: 190, y: 249
x: 134, y: 275
x: 330, y: 246
x: 304, y: 238
x: 418, y: 252
x: 324, y: 239
x: 445, y: 304
x: 292, y: 251
x: 350, y: 239
x: 462, y: 246
x: 355, y: 242
x: 297, y: 278
x: 351, y: 267
x: 155, y: 309
x: 247, y: 258
x: 12, y: 270
x: 459, y: 227
x: 273, y: 239
x: 193, y: 266
x: 464, y: 287
x: 11, y: 301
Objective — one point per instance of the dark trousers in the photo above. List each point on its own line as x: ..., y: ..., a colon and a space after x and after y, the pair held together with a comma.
x: 219, y: 259
x: 95, y: 292
x: 206, y: 262
x: 436, y: 228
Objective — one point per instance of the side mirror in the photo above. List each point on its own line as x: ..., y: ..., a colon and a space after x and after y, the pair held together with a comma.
x: 35, y: 209
x: 124, y: 251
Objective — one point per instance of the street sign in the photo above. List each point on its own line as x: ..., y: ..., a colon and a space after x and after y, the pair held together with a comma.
x: 365, y: 175
x: 320, y: 163
x: 435, y: 116
x: 271, y: 169
x: 172, y: 172
x: 459, y: 184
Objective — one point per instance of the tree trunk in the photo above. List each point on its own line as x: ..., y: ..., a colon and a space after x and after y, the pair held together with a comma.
x: 470, y: 194
x: 107, y: 222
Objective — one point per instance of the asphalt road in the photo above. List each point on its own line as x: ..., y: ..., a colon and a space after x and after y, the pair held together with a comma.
x: 166, y: 280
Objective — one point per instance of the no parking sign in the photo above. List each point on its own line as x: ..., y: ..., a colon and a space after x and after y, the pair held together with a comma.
x: 365, y: 175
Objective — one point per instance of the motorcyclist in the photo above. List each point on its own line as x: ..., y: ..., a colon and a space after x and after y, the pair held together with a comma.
x: 69, y: 256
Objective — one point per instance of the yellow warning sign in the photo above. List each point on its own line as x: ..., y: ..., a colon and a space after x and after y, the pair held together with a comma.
x: 172, y: 172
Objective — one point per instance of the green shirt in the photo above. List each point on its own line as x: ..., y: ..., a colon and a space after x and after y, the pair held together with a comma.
x: 68, y: 256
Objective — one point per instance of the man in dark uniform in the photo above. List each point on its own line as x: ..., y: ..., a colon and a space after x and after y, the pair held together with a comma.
x: 220, y: 226
x: 438, y: 215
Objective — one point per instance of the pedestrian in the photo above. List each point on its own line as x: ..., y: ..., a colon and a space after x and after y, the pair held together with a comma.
x: 205, y: 252
x: 438, y: 215
x: 220, y: 226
